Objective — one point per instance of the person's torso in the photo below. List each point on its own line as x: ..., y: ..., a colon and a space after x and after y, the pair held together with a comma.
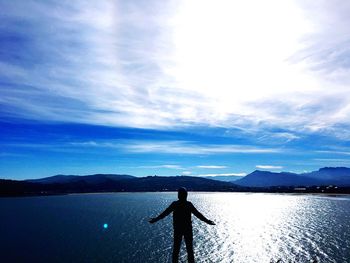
x: 182, y: 215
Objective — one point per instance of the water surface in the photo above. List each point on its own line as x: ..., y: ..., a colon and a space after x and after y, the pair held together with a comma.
x: 250, y: 228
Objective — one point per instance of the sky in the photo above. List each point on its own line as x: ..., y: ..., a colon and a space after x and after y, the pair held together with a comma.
x: 195, y: 87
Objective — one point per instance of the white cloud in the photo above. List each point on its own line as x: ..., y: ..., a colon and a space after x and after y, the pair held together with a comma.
x: 211, y: 166
x: 119, y: 63
x: 183, y: 147
x: 186, y: 173
x: 272, y: 167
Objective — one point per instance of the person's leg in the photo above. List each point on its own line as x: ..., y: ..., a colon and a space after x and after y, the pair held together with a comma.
x: 189, y: 245
x: 177, y: 244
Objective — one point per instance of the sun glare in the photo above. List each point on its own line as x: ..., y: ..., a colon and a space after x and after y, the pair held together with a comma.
x: 239, y: 51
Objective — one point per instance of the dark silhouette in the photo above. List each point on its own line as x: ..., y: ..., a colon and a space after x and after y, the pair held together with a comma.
x: 182, y: 210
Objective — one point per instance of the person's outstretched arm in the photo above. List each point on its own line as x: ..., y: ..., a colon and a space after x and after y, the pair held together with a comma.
x: 162, y: 215
x: 200, y: 216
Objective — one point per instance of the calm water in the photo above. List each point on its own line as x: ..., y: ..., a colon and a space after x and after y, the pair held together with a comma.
x: 250, y: 228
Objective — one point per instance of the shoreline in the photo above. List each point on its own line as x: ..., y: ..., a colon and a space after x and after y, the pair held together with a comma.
x: 335, y: 195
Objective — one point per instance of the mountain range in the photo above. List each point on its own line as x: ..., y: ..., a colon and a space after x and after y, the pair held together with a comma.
x: 339, y: 176
x: 255, y: 181
x: 61, y: 184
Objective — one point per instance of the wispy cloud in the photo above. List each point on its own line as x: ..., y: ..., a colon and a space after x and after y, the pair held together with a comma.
x: 138, y: 64
x: 223, y: 174
x: 211, y: 166
x: 277, y: 137
x: 181, y: 147
x: 159, y: 147
x: 332, y: 160
x: 167, y: 166
x: 177, y: 147
x: 272, y: 167
x: 335, y: 152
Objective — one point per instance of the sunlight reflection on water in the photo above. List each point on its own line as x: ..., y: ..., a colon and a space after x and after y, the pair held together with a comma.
x: 266, y: 227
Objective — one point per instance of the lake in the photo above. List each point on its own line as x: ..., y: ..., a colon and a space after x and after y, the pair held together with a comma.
x: 113, y: 227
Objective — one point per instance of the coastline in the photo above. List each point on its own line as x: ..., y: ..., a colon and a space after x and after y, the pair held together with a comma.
x: 332, y: 195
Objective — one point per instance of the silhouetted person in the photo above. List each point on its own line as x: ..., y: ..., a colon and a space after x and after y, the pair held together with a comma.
x: 182, y: 210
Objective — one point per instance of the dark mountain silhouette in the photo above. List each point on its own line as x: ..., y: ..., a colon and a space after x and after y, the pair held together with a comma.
x: 18, y: 188
x: 325, y: 176
x: 110, y: 183
x: 90, y: 179
x: 257, y: 181
x: 172, y: 183
x: 332, y: 175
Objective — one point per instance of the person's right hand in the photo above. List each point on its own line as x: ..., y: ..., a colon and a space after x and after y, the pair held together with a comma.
x: 211, y: 223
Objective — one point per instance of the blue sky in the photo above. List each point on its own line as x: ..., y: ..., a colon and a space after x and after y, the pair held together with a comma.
x: 173, y: 87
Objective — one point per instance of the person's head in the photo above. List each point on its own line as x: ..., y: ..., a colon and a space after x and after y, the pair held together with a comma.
x: 182, y: 194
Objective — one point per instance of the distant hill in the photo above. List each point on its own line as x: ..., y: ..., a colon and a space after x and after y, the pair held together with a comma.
x: 332, y: 175
x: 325, y: 176
x: 268, y: 179
x: 61, y: 184
x: 224, y: 178
x: 90, y: 179
x: 18, y: 188
x: 172, y: 183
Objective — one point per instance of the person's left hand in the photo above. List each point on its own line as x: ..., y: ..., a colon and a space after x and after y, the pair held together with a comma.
x: 152, y: 220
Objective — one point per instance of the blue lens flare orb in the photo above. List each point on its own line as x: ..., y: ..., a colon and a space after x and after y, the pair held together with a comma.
x: 105, y: 226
